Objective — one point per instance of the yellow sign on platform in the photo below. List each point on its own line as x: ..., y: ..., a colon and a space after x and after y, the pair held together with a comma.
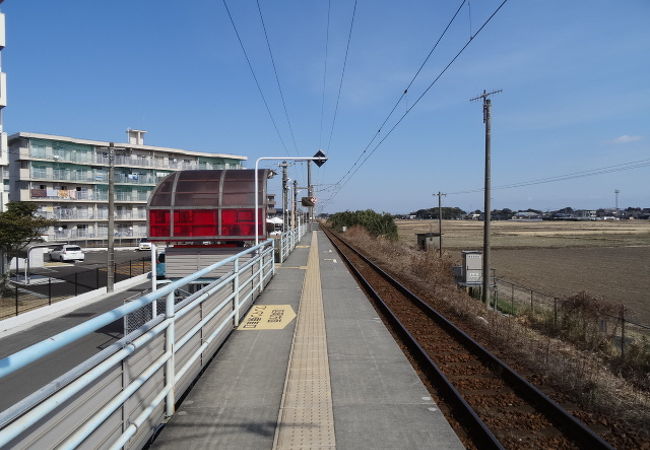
x: 268, y: 317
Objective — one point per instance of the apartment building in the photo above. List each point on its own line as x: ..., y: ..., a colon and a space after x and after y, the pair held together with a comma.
x: 68, y: 179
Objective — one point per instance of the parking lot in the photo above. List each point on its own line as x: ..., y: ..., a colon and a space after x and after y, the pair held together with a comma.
x: 93, y: 260
x: 60, y: 280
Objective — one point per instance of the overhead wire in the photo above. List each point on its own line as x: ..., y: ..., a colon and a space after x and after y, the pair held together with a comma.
x: 569, y: 176
x: 257, y: 83
x: 405, y: 91
x: 322, y: 107
x: 277, y: 78
x: 342, y: 182
x: 345, y: 62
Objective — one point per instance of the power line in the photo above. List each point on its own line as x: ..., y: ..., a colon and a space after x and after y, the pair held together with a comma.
x: 277, y: 78
x: 405, y: 91
x: 345, y: 62
x: 257, y: 83
x: 322, y: 107
x: 421, y: 96
x: 569, y: 176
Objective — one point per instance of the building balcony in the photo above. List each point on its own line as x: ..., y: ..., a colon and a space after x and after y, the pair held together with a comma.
x: 131, y: 216
x: 130, y: 197
x: 57, y: 175
x: 83, y: 235
x: 134, y: 179
x: 93, y: 158
x: 66, y: 195
x: 68, y: 215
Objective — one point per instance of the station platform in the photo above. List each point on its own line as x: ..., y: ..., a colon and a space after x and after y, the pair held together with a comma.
x: 332, y: 376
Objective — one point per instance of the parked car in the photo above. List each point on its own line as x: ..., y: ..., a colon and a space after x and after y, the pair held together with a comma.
x: 144, y: 244
x: 67, y: 253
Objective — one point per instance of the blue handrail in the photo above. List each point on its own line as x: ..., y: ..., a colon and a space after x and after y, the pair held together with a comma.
x: 28, y: 355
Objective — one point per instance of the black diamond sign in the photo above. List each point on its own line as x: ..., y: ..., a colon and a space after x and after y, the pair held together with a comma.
x: 322, y: 158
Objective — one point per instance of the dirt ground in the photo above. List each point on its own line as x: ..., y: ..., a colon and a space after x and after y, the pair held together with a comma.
x: 607, y: 259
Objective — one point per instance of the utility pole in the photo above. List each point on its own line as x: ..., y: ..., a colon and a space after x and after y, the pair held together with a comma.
x: 616, y: 192
x: 310, y: 193
x: 285, y: 189
x: 110, y: 274
x: 440, y: 195
x: 294, y: 214
x: 487, y: 103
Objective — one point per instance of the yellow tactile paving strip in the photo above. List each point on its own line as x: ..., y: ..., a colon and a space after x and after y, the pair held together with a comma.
x: 306, y: 419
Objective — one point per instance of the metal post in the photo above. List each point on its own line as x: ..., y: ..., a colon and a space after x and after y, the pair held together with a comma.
x: 622, y: 332
x: 143, y: 261
x: 294, y: 212
x: 76, y: 289
x: 49, y: 291
x: 285, y: 191
x: 440, y: 195
x: 236, y: 288
x: 555, y: 311
x: 97, y: 278
x: 130, y: 268
x: 110, y: 274
x: 310, y: 194
x: 487, y: 200
x: 273, y: 244
x: 170, y: 399
x: 532, y: 308
x: 154, y: 273
x: 261, y: 257
x: 16, y: 296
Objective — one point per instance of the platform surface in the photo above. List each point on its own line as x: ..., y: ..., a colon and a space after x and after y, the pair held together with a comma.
x: 332, y: 378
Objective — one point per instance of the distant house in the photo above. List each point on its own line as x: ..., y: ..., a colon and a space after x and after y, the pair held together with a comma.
x: 586, y: 214
x: 527, y: 216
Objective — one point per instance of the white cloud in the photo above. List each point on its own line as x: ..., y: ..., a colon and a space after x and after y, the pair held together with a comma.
x: 625, y: 139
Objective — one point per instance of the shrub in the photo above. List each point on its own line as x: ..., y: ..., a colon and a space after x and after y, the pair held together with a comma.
x: 376, y: 224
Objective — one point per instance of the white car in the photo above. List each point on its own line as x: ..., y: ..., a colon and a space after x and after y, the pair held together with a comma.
x: 144, y: 244
x: 67, y: 253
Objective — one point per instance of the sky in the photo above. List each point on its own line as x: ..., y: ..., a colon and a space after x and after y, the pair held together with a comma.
x: 575, y: 78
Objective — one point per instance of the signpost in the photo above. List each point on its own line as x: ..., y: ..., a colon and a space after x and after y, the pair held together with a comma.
x: 319, y: 158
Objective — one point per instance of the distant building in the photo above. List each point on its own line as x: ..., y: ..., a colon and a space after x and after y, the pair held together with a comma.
x: 67, y: 178
x: 527, y: 215
x: 585, y: 214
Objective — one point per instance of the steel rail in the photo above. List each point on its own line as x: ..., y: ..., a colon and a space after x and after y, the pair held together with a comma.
x: 577, y: 430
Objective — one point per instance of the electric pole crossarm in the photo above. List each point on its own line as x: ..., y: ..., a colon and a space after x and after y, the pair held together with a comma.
x: 485, y: 95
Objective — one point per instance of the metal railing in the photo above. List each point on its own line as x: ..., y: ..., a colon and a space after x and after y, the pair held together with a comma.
x: 66, y: 194
x: 118, y: 397
x: 289, y: 240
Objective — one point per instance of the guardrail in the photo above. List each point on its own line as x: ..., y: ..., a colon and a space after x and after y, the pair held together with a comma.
x: 289, y: 240
x: 120, y: 396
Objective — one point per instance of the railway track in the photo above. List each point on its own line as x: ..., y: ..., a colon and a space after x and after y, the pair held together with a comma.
x: 496, y: 407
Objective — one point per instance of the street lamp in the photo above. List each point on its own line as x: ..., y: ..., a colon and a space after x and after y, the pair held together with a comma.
x: 319, y: 158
